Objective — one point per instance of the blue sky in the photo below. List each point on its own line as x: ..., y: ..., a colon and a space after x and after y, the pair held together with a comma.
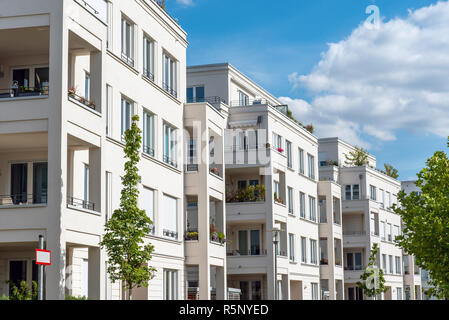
x: 279, y: 44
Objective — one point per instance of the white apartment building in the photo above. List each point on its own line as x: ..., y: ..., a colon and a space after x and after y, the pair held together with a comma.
x: 271, y: 183
x: 368, y: 196
x: 72, y: 74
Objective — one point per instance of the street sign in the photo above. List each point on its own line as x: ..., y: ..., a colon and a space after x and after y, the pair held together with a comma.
x: 43, y: 257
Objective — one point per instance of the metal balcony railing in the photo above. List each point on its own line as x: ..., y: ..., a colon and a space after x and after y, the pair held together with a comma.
x: 354, y: 233
x: 248, y: 253
x: 128, y: 60
x: 147, y: 73
x: 211, y: 100
x: 169, y: 89
x: 170, y: 161
x: 21, y: 92
x: 80, y: 203
x: 191, y: 167
x: 23, y: 199
x: 148, y: 150
x: 170, y: 234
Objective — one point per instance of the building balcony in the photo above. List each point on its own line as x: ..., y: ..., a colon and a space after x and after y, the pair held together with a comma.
x: 247, y: 253
x: 80, y: 203
x: 23, y: 199
x: 246, y: 211
x: 15, y: 93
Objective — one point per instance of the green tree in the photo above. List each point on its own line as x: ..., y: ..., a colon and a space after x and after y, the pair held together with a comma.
x: 358, y: 157
x: 426, y: 219
x: 373, y: 282
x: 391, y: 171
x: 129, y: 225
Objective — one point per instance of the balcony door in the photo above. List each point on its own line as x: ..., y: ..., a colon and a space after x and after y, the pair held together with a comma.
x: 40, y: 182
x: 22, y: 76
x: 251, y: 237
x: 19, y: 181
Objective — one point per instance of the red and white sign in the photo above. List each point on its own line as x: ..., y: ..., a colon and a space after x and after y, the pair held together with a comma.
x: 43, y: 257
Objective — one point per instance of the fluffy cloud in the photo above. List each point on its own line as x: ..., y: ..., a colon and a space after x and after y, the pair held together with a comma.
x: 185, y: 2
x: 379, y: 80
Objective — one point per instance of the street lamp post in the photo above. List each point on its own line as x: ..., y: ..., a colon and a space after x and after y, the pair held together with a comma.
x: 275, y: 231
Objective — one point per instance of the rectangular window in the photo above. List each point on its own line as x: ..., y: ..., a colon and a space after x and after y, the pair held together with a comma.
x: 291, y: 244
x: 314, y: 291
x: 348, y: 192
x: 389, y: 232
x: 108, y: 211
x: 40, y: 182
x: 303, y: 250
x: 302, y: 205
x: 276, y: 190
x: 255, y: 242
x: 243, y: 99
x: 313, y: 251
x: 170, y: 284
x: 148, y: 205
x: 398, y: 265
x: 148, y: 133
x: 126, y: 116
x: 170, y: 141
x: 390, y: 259
x: 311, y: 162
x: 109, y: 107
x: 301, y: 160
x: 128, y: 42
x: 195, y: 94
x: 191, y: 154
x: 373, y: 193
x: 109, y: 22
x: 87, y: 85
x: 312, y: 208
x: 148, y: 58
x: 396, y: 232
x: 243, y: 242
x: 290, y: 200
x: 384, y: 263
x: 169, y: 81
x: 86, y: 185
x: 387, y: 200
x: 382, y: 230
x: 399, y: 293
x: 355, y: 192
x: 289, y: 154
x: 277, y: 141
x: 170, y: 218
x: 382, y: 198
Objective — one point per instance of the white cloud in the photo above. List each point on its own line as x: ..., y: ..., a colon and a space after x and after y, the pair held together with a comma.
x: 377, y: 81
x: 185, y: 2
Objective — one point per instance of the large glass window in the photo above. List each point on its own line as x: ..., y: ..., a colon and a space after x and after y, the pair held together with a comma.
x: 290, y: 200
x: 169, y: 75
x: 195, y: 94
x: 148, y: 58
x: 313, y: 251
x: 302, y: 205
x: 291, y: 244
x: 312, y: 208
x: 390, y: 260
x: 19, y: 179
x: 40, y: 182
x: 128, y: 41
x: 243, y: 242
x: 311, y: 163
x: 243, y: 99
x: 41, y: 79
x: 289, y: 154
x: 170, y: 284
x: 355, y: 192
x: 170, y: 156
x: 148, y: 204
x: 373, y: 193
x: 126, y: 116
x: 354, y: 261
x: 314, y: 291
x: 148, y: 133
x: 170, y: 218
x: 303, y: 250
x: 301, y: 160
x: 398, y: 265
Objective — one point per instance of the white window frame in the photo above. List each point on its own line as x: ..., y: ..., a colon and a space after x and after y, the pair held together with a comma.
x: 311, y: 166
x: 290, y: 200
x: 291, y: 245
x: 170, y: 155
x: 313, y: 251
x: 169, y: 74
x: 302, y: 205
x: 303, y: 249
x: 288, y: 146
x: 128, y: 43
x: 148, y: 57
x: 301, y: 160
x: 126, y: 119
x: 312, y: 208
x: 170, y: 290
x: 148, y: 141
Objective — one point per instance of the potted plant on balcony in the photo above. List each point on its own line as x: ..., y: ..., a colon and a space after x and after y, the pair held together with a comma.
x: 268, y: 146
x: 91, y: 104
x: 72, y: 92
x: 221, y: 237
x: 280, y: 150
x: 190, y: 236
x: 214, y: 170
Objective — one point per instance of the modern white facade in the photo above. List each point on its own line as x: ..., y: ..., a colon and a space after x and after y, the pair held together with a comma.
x: 368, y: 196
x: 266, y: 149
x: 83, y: 68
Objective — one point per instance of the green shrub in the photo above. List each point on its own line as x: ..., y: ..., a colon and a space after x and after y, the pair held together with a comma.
x: 69, y: 297
x: 23, y: 292
x: 4, y: 297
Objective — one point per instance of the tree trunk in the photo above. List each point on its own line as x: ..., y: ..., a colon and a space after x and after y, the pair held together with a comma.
x: 130, y: 291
